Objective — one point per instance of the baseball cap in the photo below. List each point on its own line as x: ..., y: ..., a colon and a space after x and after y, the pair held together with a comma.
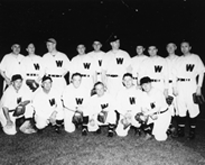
x: 52, y: 40
x: 114, y: 38
x: 145, y: 80
x: 16, y: 77
x: 46, y: 78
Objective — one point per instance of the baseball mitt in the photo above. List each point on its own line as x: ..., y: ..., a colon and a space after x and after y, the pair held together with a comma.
x: 102, y: 116
x: 169, y: 100
x: 198, y: 99
x: 32, y: 84
x: 77, y: 118
x: 20, y: 110
x: 141, y: 118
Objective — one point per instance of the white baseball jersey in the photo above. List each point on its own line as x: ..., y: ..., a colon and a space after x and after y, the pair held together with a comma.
x: 33, y: 66
x: 11, y: 64
x: 156, y: 68
x: 136, y: 63
x: 46, y: 103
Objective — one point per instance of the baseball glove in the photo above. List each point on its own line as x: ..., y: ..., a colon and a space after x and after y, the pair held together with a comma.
x: 20, y: 110
x: 169, y: 100
x: 77, y: 118
x: 141, y: 118
x: 102, y: 116
x: 32, y: 84
x: 198, y: 99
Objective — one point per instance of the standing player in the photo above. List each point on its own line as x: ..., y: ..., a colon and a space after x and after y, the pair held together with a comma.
x: 11, y: 64
x: 48, y: 106
x: 15, y: 97
x: 172, y: 59
x: 97, y: 54
x: 156, y: 68
x: 136, y: 62
x: 74, y: 99
x: 157, y: 110
x: 56, y: 65
x: 101, y: 110
x: 33, y: 68
x: 115, y: 64
x: 188, y: 68
x: 84, y: 64
x: 128, y: 104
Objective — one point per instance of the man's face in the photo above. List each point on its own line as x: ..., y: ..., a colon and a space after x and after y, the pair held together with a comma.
x: 115, y: 44
x: 16, y: 49
x: 128, y: 82
x: 185, y: 48
x: 81, y: 49
x: 97, y: 46
x: 17, y: 84
x: 139, y: 50
x: 76, y: 81
x: 146, y: 87
x: 152, y: 50
x: 171, y: 48
x: 31, y: 49
x: 47, y: 84
x: 50, y: 46
x: 100, y: 90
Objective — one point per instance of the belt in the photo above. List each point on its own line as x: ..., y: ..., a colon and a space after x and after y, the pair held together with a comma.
x: 31, y: 74
x: 170, y: 81
x: 112, y: 75
x: 161, y: 112
x: 184, y: 79
x: 98, y: 73
x: 54, y: 75
x: 156, y: 80
x: 135, y: 78
x: 85, y: 75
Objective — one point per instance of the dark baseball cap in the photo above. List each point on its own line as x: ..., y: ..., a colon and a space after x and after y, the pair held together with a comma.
x: 114, y: 38
x: 46, y: 78
x: 16, y: 77
x: 144, y: 80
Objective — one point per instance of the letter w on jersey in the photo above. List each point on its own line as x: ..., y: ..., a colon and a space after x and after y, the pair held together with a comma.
x: 36, y: 66
x: 189, y: 67
x: 19, y: 100
x: 59, y: 63
x: 103, y: 106
x: 86, y: 65
x: 79, y: 101
x: 52, y: 102
x: 132, y: 100
x: 99, y: 62
x: 157, y: 68
x: 119, y: 61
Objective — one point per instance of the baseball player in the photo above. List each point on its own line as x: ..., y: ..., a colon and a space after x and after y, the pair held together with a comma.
x: 11, y: 64
x: 156, y: 68
x: 97, y: 54
x: 74, y: 100
x: 16, y: 96
x: 115, y: 64
x: 85, y: 65
x: 136, y: 62
x: 172, y: 60
x: 48, y: 106
x: 56, y: 65
x: 155, y: 107
x: 101, y: 110
x: 188, y: 68
x: 33, y: 68
x: 127, y: 105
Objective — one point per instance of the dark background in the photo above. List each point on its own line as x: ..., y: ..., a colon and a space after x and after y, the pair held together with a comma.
x: 71, y: 22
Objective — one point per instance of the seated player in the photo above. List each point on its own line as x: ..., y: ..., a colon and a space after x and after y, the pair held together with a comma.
x: 128, y: 105
x: 16, y: 109
x: 101, y: 110
x: 48, y: 106
x: 154, y: 106
x: 74, y: 98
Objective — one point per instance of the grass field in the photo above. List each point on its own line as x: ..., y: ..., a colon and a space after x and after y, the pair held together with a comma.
x: 50, y: 148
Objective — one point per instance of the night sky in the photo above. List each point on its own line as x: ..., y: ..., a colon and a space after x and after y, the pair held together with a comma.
x: 71, y: 22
